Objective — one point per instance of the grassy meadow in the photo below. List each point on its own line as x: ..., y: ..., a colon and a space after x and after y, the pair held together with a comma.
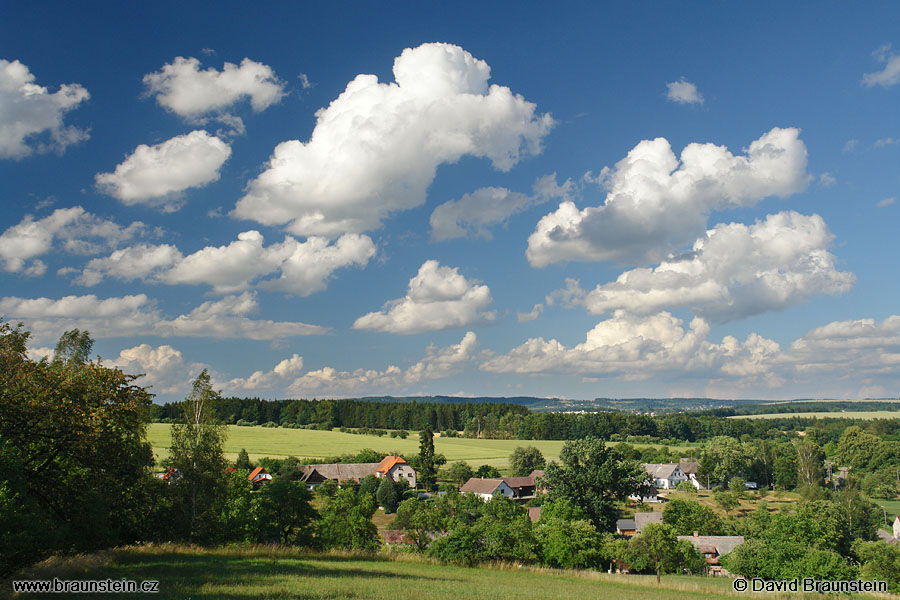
x: 269, y: 573
x: 848, y: 414
x: 278, y: 442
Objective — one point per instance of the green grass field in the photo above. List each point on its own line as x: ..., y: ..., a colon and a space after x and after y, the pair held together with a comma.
x: 869, y: 415
x: 891, y: 507
x: 277, y: 442
x: 270, y: 573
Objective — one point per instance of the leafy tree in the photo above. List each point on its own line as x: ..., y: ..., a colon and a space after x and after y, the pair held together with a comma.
x: 73, y: 431
x: 460, y: 472
x: 810, y: 459
x: 387, y: 495
x: 243, y: 461
x: 74, y: 348
x: 427, y: 469
x: 880, y: 561
x: 727, y: 500
x: 724, y: 457
x: 862, y: 516
x: 238, y: 524
x: 487, y: 472
x: 656, y: 548
x: 525, y: 459
x: 369, y: 485
x: 688, y: 516
x: 567, y: 539
x: 686, y: 487
x: 197, y: 454
x: 738, y: 487
x: 283, y: 511
x: 785, y: 472
x: 346, y: 521
x: 857, y: 447
x: 595, y: 477
x: 418, y: 520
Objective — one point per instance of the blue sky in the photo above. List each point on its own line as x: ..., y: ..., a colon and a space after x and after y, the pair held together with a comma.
x: 513, y: 199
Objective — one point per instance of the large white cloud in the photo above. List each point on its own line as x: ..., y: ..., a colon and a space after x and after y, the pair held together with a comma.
x: 28, y: 110
x: 656, y: 203
x: 624, y: 345
x: 78, y: 232
x: 125, y: 316
x: 304, y: 267
x: 154, y: 175
x: 438, y: 363
x: 376, y: 148
x: 163, y: 368
x: 734, y: 271
x: 473, y: 214
x: 438, y: 298
x: 195, y: 94
x: 890, y: 74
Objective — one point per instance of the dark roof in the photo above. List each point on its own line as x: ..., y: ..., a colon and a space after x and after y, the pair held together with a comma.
x: 339, y: 471
x: 477, y: 485
x: 536, y: 473
x: 625, y: 525
x: 519, y: 482
x: 722, y: 543
x: 642, y: 519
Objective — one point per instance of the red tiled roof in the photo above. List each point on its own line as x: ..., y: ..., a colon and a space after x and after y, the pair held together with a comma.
x: 253, y: 474
x: 387, y: 463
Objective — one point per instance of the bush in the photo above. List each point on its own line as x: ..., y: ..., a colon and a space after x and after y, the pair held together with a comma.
x: 270, y: 424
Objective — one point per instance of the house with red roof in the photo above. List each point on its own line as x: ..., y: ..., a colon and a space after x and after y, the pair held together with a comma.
x: 259, y: 476
x: 390, y: 466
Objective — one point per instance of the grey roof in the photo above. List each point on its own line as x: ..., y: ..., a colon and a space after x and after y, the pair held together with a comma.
x: 660, y: 470
x: 625, y: 525
x: 339, y: 471
x: 642, y: 519
x: 477, y: 485
x: 723, y: 543
x: 536, y: 473
x: 519, y: 482
x: 689, y: 467
x: 886, y: 537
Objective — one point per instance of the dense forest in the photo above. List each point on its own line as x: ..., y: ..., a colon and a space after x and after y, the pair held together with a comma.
x: 513, y: 421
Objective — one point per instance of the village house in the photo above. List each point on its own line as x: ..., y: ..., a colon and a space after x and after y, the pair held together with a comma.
x: 259, y: 476
x: 632, y: 527
x: 517, y: 488
x: 170, y: 476
x: 665, y: 476
x: 897, y: 528
x: 394, y: 467
x: 690, y: 469
x: 713, y: 547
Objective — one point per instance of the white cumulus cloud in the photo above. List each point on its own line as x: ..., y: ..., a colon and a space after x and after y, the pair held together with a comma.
x: 186, y: 90
x: 163, y: 368
x: 683, y: 92
x: 74, y: 230
x: 473, y: 214
x: 734, y: 271
x: 375, y: 149
x: 438, y: 298
x: 28, y: 111
x: 302, y: 268
x: 438, y: 363
x: 155, y: 175
x: 656, y: 203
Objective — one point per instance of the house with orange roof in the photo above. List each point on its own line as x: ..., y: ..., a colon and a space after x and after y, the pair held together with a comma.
x: 390, y: 466
x: 259, y: 476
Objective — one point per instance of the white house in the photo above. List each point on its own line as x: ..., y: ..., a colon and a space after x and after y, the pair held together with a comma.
x: 487, y: 488
x: 897, y: 528
x: 665, y: 476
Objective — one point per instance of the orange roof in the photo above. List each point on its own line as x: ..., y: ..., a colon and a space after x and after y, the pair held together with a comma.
x: 387, y: 463
x: 255, y: 472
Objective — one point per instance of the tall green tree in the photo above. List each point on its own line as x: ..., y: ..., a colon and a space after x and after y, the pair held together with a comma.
x: 657, y: 548
x: 595, y: 478
x: 525, y: 459
x: 460, y: 472
x: 243, y: 461
x: 75, y: 461
x: 427, y: 469
x: 387, y: 495
x: 73, y: 348
x: 196, y: 452
x: 283, y: 512
x: 346, y: 521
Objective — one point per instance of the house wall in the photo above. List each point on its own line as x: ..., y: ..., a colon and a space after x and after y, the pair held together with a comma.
x: 405, y: 472
x: 897, y: 528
